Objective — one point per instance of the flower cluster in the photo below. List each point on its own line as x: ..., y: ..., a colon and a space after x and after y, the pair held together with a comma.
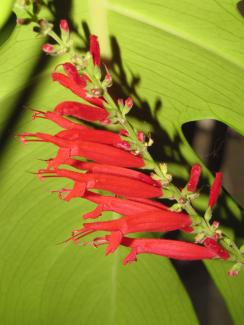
x: 117, y: 173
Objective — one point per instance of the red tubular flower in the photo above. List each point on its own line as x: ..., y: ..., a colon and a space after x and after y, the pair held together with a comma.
x: 121, y: 206
x: 194, y: 178
x: 98, y: 152
x: 119, y: 185
x: 95, y: 50
x: 87, y: 134
x: 151, y: 221
x: 76, y: 83
x: 164, y: 247
x: 215, y: 189
x: 212, y: 245
x: 82, y: 111
x: 109, y: 170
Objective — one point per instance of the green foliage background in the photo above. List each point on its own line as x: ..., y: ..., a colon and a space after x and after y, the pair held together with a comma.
x: 188, y: 56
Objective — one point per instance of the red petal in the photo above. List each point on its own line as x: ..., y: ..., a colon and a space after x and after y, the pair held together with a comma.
x: 110, y: 170
x: 121, y: 206
x: 152, y: 221
x: 105, y: 154
x: 82, y: 111
x: 92, y: 135
x: 116, y: 184
x: 164, y: 247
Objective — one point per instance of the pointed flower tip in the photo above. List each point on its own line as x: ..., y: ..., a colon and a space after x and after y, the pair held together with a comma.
x: 196, y: 171
x: 95, y: 50
x: 215, y: 189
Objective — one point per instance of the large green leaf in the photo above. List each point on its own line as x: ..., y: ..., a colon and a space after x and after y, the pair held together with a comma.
x: 188, y: 56
x: 46, y: 283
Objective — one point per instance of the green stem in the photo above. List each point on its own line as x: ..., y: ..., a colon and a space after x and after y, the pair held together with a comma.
x: 54, y: 36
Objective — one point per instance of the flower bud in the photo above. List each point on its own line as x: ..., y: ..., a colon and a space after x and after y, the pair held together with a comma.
x: 107, y: 82
x: 48, y: 48
x: 234, y: 271
x: 123, y: 132
x: 215, y: 189
x: 141, y: 136
x: 129, y: 102
x: 95, y: 50
x: 64, y: 26
x: 194, y: 178
x: 20, y: 21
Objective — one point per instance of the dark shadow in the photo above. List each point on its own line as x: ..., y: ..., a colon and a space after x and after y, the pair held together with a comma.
x: 189, y: 130
x: 217, y: 138
x: 122, y: 88
x: 8, y: 130
x: 7, y: 29
x: 217, y: 147
x: 205, y: 298
x: 240, y: 7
